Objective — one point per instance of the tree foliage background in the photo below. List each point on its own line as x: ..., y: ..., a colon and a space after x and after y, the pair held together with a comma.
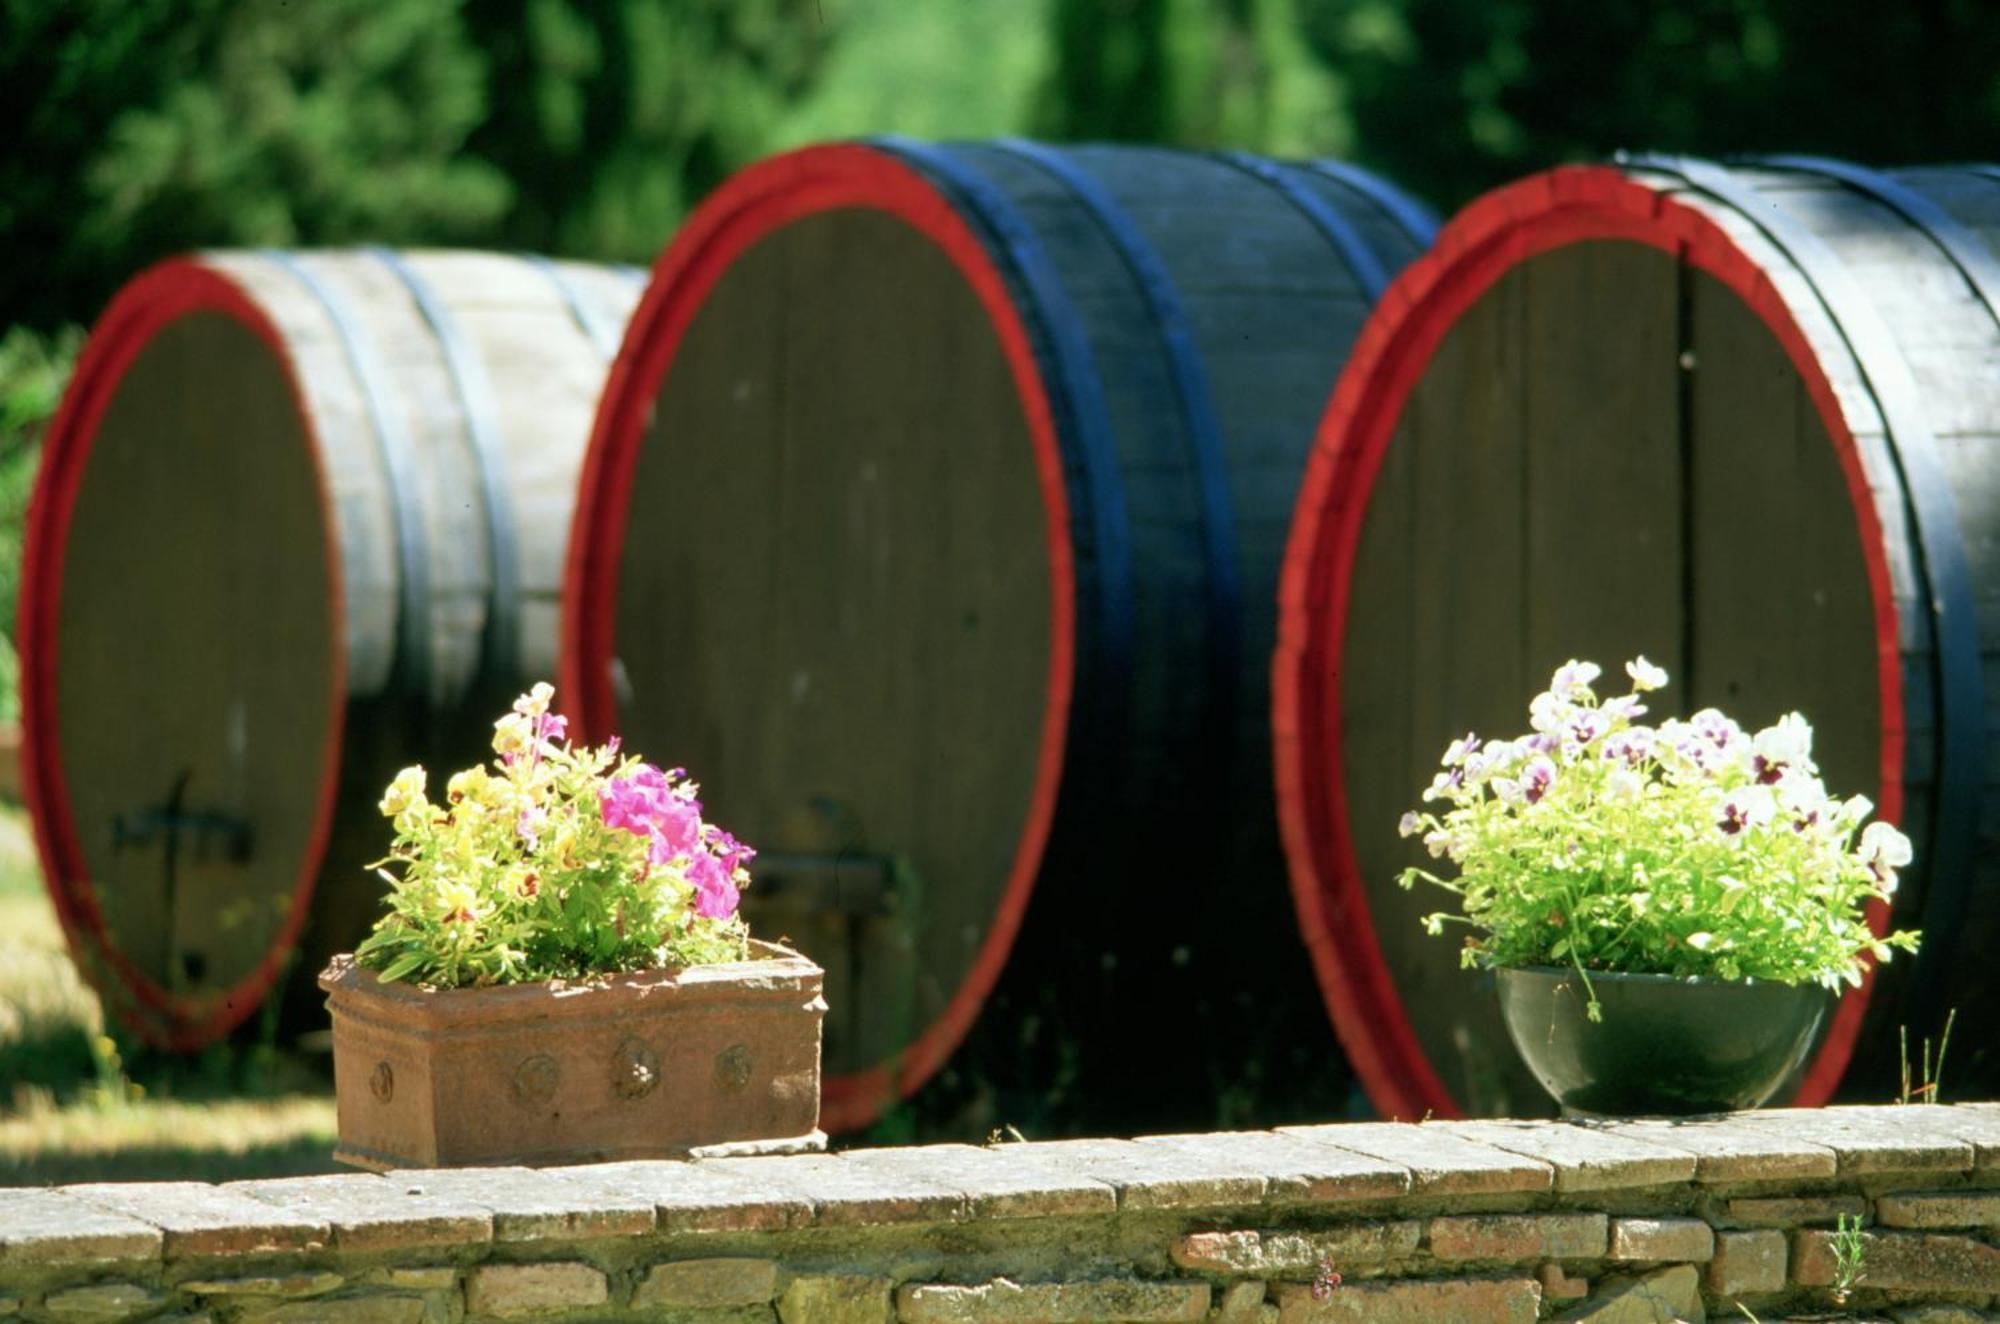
x: 138, y: 128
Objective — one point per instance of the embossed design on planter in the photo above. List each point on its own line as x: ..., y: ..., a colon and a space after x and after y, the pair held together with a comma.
x: 382, y: 1082
x: 635, y: 1069
x: 535, y: 1080
x: 732, y: 1067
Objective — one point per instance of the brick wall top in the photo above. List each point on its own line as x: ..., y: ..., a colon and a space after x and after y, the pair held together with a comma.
x: 1378, y: 1167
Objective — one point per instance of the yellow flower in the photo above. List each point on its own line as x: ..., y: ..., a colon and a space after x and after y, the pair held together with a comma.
x: 405, y: 792
x: 457, y: 902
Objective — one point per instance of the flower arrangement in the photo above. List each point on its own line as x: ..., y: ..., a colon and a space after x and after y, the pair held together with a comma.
x: 1687, y: 848
x: 556, y: 863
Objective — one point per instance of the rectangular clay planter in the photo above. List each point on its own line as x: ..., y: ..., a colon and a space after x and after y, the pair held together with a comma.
x: 657, y: 1064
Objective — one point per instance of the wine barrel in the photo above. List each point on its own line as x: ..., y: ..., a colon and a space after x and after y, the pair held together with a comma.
x: 933, y: 516
x: 300, y: 519
x: 1739, y: 419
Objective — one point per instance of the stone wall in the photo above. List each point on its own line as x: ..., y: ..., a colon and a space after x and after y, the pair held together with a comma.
x: 1441, y: 1222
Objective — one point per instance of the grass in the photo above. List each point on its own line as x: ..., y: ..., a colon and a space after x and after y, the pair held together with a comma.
x: 78, y: 1103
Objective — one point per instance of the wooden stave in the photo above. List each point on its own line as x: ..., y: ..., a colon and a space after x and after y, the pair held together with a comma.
x: 1907, y: 618
x: 990, y: 185
x: 391, y: 704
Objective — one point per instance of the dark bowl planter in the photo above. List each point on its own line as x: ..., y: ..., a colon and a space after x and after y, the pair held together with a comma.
x: 1665, y: 1045
x: 654, y: 1064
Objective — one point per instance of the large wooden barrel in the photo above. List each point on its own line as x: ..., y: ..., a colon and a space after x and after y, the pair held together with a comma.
x: 1742, y: 420
x: 933, y: 517
x: 301, y: 518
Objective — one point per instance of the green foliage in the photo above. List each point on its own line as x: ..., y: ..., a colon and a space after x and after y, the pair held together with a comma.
x: 1850, y: 1252
x: 1688, y: 849
x: 1451, y: 97
x: 560, y: 862
x: 33, y: 370
x: 149, y: 128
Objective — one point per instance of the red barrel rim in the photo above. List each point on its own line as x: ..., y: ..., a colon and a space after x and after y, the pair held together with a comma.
x: 1492, y: 235
x: 156, y: 297
x: 749, y: 206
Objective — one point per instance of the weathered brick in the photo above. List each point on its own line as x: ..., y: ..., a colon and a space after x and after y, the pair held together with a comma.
x: 1746, y: 1262
x: 105, y: 1302
x: 695, y: 1197
x: 1928, y: 1209
x: 1795, y: 1210
x: 1903, y: 1260
x: 528, y: 1204
x: 1584, y: 1158
x: 1281, y: 1254
x: 1295, y: 1170
x: 997, y: 1181
x: 1154, y: 1176
x: 1687, y: 1239
x: 1414, y: 1301
x: 836, y: 1299
x: 1519, y: 1236
x: 372, y: 1309
x: 1438, y: 1162
x: 1726, y: 1152
x: 1658, y: 1298
x: 1244, y: 1303
x: 850, y: 1194
x: 304, y: 1283
x: 523, y: 1289
x: 1559, y: 1286
x: 45, y: 1228
x: 199, y: 1219
x: 1127, y: 1299
x: 364, y: 1212
x: 708, y: 1283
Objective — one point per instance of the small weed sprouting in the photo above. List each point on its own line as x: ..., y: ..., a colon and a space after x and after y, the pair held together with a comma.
x: 1848, y: 1252
x: 1929, y: 1086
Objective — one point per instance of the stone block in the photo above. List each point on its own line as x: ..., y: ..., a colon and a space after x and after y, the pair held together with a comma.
x: 524, y: 1289
x: 1686, y: 1239
x: 1796, y: 1210
x: 10, y: 1305
x: 40, y: 1228
x: 1519, y: 1236
x: 1559, y: 1286
x: 1155, y: 1176
x: 429, y: 1278
x: 1295, y: 1170
x: 836, y: 1299
x: 102, y: 1303
x: 199, y: 1219
x: 1658, y: 1298
x: 1584, y: 1158
x: 1931, y: 1209
x: 364, y: 1212
x: 997, y: 1181
x: 1748, y: 1262
x: 708, y: 1284
x: 845, y: 1194
x: 1871, y: 1140
x: 528, y: 1204
x: 1244, y: 1303
x: 304, y: 1283
x: 1438, y: 1162
x: 695, y: 1197
x: 1414, y: 1301
x: 1726, y: 1152
x: 1902, y: 1261
x: 342, y: 1310
x: 1939, y: 1314
x: 997, y: 1302
x: 1293, y: 1254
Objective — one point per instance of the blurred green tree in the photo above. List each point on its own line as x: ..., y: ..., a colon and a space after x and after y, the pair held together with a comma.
x: 613, y: 118
x: 145, y: 128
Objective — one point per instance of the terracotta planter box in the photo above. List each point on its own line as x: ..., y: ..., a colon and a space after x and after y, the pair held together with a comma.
x: 658, y: 1064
